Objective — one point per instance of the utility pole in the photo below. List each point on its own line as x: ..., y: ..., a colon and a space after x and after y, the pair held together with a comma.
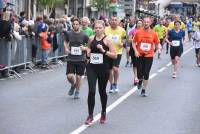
x: 84, y: 6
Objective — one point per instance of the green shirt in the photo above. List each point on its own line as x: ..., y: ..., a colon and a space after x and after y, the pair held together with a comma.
x: 160, y: 30
x: 88, y: 31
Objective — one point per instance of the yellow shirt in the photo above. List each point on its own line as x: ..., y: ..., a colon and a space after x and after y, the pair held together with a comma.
x: 195, y: 25
x: 116, y: 36
x: 160, y: 30
x: 171, y: 25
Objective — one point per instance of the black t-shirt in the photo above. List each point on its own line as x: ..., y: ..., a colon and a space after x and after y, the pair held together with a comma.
x: 76, y: 40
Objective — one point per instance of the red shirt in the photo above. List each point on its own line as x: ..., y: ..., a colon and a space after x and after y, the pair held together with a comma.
x: 43, y: 40
x: 145, y: 41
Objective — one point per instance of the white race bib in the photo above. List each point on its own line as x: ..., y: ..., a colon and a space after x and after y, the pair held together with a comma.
x: 76, y: 51
x: 175, y: 43
x: 145, y: 46
x: 114, y: 38
x: 96, y: 58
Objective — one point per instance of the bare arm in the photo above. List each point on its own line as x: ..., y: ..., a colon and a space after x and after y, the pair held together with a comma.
x: 111, y: 53
x: 135, y: 49
x: 66, y: 46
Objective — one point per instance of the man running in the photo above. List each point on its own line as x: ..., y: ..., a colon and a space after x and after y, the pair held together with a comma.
x: 161, y: 30
x: 76, y: 60
x: 143, y: 44
x: 116, y: 35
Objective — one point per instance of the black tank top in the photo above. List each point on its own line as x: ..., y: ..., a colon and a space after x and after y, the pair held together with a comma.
x: 107, y: 61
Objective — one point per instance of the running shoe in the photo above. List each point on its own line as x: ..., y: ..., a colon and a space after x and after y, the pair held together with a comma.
x: 143, y: 93
x: 127, y: 63
x: 71, y: 91
x: 102, y: 119
x: 89, y: 120
x: 111, y: 89
x: 116, y: 90
x: 76, y: 95
x: 174, y: 75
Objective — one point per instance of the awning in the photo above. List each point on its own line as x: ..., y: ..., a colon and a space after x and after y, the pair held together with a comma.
x: 175, y: 5
x: 146, y: 13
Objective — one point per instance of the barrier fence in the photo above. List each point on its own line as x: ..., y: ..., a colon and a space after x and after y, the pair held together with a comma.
x: 18, y: 53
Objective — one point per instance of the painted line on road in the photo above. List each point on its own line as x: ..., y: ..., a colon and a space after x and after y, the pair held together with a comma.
x: 152, y: 76
x: 118, y: 101
x: 162, y: 69
x: 169, y: 64
x: 188, y: 50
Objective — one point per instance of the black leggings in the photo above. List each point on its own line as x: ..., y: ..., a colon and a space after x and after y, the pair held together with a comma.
x: 143, y: 67
x: 95, y: 73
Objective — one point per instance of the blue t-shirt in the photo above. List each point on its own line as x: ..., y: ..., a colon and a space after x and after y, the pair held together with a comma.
x: 174, y: 36
x: 189, y: 26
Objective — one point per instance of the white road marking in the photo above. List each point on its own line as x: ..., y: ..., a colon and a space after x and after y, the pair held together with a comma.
x: 152, y: 76
x: 169, y: 64
x: 162, y: 69
x: 188, y: 50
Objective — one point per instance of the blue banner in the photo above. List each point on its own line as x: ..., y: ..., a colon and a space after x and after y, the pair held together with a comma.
x: 1, y: 4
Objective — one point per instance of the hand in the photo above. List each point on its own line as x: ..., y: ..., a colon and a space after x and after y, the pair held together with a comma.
x: 100, y: 47
x: 121, y: 45
x: 159, y: 51
x: 67, y: 51
x: 83, y: 48
x: 137, y: 54
x: 170, y: 43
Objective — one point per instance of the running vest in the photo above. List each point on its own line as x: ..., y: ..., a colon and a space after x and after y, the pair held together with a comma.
x: 107, y: 61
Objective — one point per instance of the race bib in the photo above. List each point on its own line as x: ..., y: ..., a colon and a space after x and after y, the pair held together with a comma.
x: 114, y: 38
x: 145, y: 46
x: 76, y: 51
x: 175, y: 43
x: 96, y: 58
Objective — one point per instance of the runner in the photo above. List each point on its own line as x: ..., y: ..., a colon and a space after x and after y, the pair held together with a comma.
x: 76, y: 60
x: 132, y: 52
x: 88, y: 31
x: 101, y: 51
x: 176, y: 18
x: 196, y: 41
x: 190, y: 28
x: 85, y: 26
x: 176, y: 39
x: 129, y: 26
x: 116, y: 34
x: 161, y: 30
x: 143, y: 44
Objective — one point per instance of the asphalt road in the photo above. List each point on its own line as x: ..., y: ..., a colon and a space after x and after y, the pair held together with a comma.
x: 38, y: 103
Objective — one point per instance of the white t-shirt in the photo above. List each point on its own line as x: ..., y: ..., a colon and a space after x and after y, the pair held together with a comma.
x: 196, y: 36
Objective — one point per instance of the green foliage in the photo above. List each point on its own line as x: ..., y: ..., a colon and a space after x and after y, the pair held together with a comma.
x: 49, y: 3
x: 100, y: 4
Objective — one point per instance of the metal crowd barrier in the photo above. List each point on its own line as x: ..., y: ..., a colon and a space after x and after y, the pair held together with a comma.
x: 17, y: 53
x: 58, y: 53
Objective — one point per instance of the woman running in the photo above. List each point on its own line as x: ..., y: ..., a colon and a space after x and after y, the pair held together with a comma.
x: 101, y: 52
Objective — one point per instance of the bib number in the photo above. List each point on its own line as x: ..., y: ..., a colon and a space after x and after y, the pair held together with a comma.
x: 76, y: 51
x: 114, y: 38
x: 145, y: 46
x: 175, y: 43
x: 96, y: 58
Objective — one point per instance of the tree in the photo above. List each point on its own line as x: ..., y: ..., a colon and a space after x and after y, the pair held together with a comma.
x: 101, y: 5
x: 49, y: 5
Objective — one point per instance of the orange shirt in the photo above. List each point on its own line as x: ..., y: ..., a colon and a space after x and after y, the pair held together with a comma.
x: 43, y: 41
x: 145, y: 41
